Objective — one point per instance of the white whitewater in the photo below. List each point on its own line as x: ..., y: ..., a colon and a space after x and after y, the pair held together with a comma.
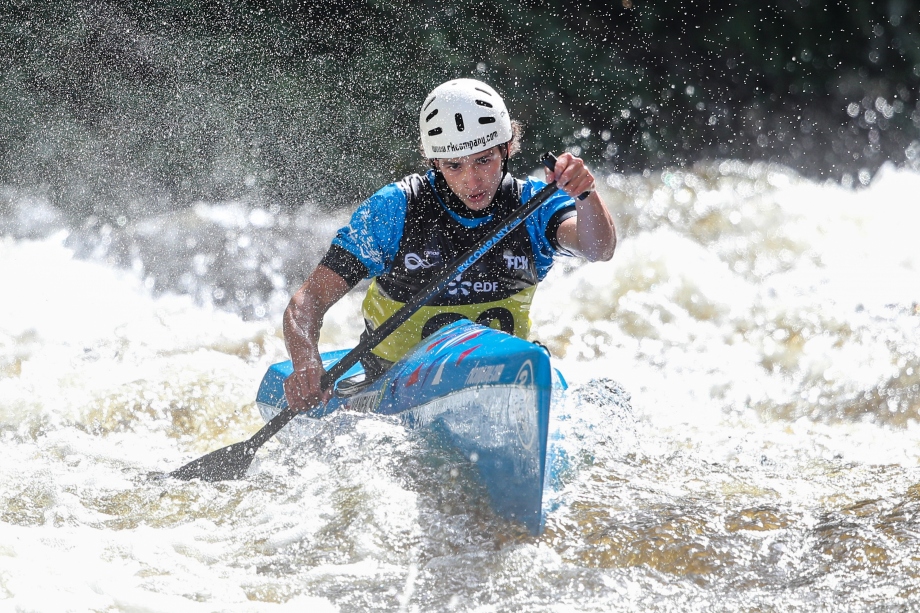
x: 742, y: 425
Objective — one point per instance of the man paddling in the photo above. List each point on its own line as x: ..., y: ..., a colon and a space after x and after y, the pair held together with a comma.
x: 407, y: 232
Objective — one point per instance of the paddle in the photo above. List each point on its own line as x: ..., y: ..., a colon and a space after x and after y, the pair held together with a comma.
x: 233, y: 461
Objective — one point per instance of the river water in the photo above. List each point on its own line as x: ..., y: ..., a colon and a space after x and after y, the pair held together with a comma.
x: 742, y: 422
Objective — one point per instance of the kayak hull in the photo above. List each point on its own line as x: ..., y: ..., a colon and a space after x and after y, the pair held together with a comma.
x: 486, y: 392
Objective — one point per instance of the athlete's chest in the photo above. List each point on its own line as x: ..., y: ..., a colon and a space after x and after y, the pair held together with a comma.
x: 432, y: 241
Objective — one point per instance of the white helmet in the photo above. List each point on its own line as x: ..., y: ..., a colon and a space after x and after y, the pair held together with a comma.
x: 463, y: 117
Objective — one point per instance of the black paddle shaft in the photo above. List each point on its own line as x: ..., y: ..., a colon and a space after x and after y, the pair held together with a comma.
x: 231, y: 462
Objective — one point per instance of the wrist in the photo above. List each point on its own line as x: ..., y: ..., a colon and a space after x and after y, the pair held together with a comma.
x: 306, y: 362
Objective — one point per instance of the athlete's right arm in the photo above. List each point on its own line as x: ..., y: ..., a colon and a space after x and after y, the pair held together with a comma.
x: 303, y: 319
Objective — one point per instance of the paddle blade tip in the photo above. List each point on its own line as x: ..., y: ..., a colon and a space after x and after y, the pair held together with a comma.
x: 226, y: 464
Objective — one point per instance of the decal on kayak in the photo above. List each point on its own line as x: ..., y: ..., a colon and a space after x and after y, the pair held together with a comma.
x: 418, y: 376
x: 519, y: 401
x: 364, y: 403
x: 413, y: 378
x: 525, y: 375
x: 437, y: 375
x: 466, y: 353
x: 485, y: 374
x: 448, y: 341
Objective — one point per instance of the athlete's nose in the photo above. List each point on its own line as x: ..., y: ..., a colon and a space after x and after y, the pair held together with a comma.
x: 474, y: 178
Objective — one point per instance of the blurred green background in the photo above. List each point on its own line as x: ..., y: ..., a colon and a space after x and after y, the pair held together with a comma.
x: 123, y: 109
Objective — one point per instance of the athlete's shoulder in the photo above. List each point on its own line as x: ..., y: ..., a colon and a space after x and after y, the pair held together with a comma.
x: 392, y: 192
x: 403, y: 191
x: 530, y: 186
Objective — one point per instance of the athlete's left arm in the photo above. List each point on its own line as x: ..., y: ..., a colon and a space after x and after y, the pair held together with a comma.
x: 591, y: 232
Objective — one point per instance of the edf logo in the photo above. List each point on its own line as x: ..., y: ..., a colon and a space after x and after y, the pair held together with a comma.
x: 459, y: 287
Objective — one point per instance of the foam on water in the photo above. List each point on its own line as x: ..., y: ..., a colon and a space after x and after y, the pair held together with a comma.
x: 804, y: 304
x: 741, y: 429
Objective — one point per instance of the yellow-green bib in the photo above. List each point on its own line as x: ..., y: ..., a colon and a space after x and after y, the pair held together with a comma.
x: 511, y: 314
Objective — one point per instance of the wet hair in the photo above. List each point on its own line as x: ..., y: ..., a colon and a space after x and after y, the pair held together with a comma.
x: 510, y: 149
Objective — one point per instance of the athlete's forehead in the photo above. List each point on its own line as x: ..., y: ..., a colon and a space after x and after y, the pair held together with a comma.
x: 466, y: 159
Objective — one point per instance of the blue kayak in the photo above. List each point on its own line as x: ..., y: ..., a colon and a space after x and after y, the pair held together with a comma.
x: 487, y: 392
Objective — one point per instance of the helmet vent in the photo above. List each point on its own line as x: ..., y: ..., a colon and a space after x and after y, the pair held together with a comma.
x: 434, y: 131
x: 485, y: 120
x: 427, y: 104
x: 479, y: 89
x: 431, y: 114
x: 459, y: 119
x: 484, y: 103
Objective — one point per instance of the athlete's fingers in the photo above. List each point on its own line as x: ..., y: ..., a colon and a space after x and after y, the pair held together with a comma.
x: 302, y: 389
x: 573, y: 176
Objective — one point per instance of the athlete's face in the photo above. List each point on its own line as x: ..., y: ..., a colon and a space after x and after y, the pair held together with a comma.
x: 474, y: 178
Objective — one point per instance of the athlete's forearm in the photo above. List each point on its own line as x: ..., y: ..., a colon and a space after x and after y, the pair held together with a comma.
x: 592, y: 235
x: 303, y: 317
x: 596, y: 233
x: 302, y: 322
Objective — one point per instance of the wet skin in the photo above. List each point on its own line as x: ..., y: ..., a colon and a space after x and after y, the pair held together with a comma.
x: 475, y: 179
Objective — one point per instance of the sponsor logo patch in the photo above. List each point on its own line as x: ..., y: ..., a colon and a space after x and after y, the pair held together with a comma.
x: 516, y: 262
x: 414, y: 261
x: 456, y: 287
x: 463, y: 288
